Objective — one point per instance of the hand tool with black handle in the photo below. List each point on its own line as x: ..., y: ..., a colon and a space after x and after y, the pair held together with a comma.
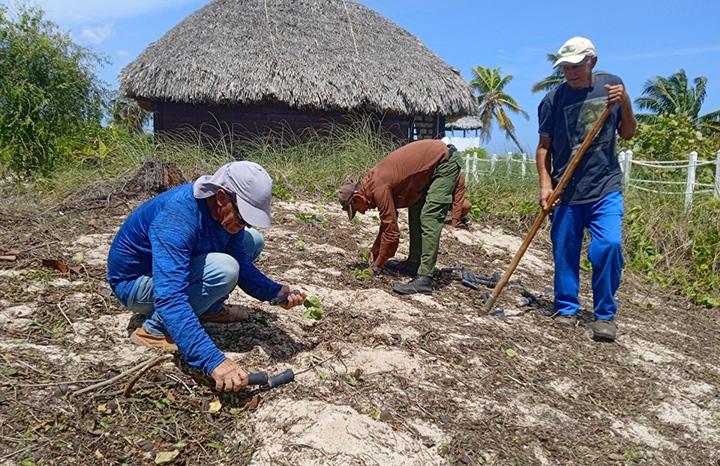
x: 283, y: 299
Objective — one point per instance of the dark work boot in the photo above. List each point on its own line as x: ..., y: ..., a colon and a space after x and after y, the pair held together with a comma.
x: 406, y: 268
x: 419, y: 284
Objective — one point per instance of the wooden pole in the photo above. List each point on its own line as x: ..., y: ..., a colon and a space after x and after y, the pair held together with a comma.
x: 553, y: 197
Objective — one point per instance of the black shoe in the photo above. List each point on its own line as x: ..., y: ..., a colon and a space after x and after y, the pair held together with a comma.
x: 604, y: 330
x: 419, y: 284
x: 406, y: 268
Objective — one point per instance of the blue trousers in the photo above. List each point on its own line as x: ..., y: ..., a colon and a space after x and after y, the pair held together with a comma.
x: 212, y: 278
x: 603, y: 219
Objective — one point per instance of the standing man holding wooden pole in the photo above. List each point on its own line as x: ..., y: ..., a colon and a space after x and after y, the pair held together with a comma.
x: 593, y: 198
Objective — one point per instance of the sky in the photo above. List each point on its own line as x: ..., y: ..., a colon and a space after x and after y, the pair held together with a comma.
x: 634, y: 39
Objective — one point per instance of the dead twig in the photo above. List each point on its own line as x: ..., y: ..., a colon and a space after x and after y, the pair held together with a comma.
x: 66, y: 318
x: 112, y: 380
x: 137, y: 376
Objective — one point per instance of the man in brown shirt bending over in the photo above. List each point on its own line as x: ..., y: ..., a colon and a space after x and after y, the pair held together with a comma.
x: 421, y: 176
x: 461, y: 207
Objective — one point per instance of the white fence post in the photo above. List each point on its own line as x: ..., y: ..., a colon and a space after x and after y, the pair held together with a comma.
x: 467, y: 166
x: 475, y: 173
x: 628, y: 166
x: 716, y: 191
x: 524, y: 161
x: 493, y: 159
x: 509, y: 163
x: 690, y: 180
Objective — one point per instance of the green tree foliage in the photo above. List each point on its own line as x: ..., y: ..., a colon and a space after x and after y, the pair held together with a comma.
x: 126, y: 114
x: 674, y: 96
x: 49, y: 93
x: 494, y: 102
x: 551, y: 82
x: 671, y: 137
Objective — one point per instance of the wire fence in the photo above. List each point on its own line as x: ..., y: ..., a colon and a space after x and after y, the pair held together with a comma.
x: 665, y: 177
x: 687, y: 178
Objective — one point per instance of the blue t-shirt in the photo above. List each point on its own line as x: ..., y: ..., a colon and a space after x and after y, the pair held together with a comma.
x: 158, y: 239
x: 566, y: 116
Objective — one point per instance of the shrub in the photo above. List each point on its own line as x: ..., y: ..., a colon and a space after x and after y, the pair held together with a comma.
x: 48, y: 92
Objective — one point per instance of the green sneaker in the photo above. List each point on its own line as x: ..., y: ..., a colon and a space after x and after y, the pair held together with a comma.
x: 604, y: 330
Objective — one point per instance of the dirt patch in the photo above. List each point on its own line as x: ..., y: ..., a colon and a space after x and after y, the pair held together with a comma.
x: 381, y: 379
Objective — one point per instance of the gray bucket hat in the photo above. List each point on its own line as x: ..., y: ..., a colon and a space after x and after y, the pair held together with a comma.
x: 250, y: 184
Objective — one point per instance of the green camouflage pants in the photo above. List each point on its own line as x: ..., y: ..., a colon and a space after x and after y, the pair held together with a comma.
x: 427, y: 216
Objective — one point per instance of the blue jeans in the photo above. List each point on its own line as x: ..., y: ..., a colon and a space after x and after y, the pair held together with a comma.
x: 212, y: 278
x: 603, y: 219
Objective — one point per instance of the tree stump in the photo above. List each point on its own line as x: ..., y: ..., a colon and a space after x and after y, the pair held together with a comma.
x: 156, y: 176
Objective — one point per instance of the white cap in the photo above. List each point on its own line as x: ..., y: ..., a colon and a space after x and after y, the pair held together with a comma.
x: 574, y: 51
x: 249, y: 182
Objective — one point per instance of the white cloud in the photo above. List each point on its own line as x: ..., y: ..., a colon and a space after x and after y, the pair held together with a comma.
x: 82, y: 11
x: 122, y: 53
x: 96, y: 36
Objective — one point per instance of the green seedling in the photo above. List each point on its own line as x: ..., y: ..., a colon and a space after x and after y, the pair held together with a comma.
x: 362, y: 274
x: 366, y: 256
x: 350, y: 379
x: 314, y: 308
x: 300, y: 244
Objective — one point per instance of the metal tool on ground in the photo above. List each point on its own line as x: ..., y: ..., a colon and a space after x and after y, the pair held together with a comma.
x: 544, y: 213
x: 265, y: 382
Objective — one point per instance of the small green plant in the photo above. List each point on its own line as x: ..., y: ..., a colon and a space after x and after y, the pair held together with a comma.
x: 281, y: 192
x: 350, y: 379
x: 314, y: 308
x: 374, y: 414
x: 362, y: 274
x: 300, y: 244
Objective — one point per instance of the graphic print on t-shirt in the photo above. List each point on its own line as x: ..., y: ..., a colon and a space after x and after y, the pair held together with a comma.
x: 581, y: 117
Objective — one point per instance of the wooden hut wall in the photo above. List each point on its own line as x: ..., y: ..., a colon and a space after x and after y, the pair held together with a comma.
x: 248, y: 121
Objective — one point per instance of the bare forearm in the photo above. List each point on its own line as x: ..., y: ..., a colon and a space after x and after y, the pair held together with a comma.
x: 542, y: 161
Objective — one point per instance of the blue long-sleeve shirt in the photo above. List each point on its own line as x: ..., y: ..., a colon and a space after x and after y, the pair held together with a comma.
x: 158, y: 240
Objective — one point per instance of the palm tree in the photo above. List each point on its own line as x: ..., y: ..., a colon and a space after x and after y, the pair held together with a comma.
x: 550, y: 82
x: 673, y: 96
x: 494, y: 102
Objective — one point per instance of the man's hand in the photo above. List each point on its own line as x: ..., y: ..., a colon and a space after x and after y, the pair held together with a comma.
x: 229, y: 377
x: 545, y: 194
x: 293, y: 299
x: 617, y: 95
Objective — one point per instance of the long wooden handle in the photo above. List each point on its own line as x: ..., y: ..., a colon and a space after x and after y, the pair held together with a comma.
x: 551, y: 200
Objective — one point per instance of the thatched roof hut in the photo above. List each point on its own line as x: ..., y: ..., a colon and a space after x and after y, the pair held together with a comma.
x: 465, y: 123
x: 253, y: 63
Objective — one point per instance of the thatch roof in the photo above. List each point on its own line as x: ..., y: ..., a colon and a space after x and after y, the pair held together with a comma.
x: 316, y: 54
x: 465, y: 123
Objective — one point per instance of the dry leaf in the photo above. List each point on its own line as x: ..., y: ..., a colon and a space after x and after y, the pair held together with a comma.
x: 215, y: 406
x: 99, y: 455
x: 12, y: 252
x: 76, y: 269
x: 103, y: 408
x: 166, y: 456
x: 254, y: 403
x: 616, y: 457
x: 93, y: 223
x: 55, y: 264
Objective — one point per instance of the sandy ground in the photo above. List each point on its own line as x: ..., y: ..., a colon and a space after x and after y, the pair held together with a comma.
x: 382, y: 379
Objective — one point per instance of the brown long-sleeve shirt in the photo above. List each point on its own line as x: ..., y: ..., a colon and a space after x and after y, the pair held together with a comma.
x: 398, y: 181
x: 458, y: 200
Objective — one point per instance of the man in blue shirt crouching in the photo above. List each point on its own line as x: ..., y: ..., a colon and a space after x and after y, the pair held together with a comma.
x: 180, y: 254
